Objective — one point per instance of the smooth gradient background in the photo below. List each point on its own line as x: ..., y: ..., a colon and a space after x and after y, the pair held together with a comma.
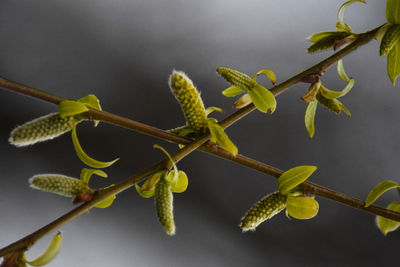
x: 123, y: 51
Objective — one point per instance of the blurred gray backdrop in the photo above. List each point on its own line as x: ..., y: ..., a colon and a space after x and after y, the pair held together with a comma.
x: 123, y: 51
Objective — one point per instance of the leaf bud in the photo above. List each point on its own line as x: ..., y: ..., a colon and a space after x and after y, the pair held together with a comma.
x: 263, y: 210
x: 41, y: 129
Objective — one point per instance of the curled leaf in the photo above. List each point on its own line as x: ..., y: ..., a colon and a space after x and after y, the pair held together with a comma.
x: 336, y: 94
x: 341, y: 72
x: 341, y: 24
x: 51, y: 252
x: 232, y: 91
x: 86, y: 174
x: 170, y: 158
x: 180, y: 184
x: 309, y: 117
x: 106, y: 202
x: 84, y: 157
x: 93, y: 102
x: 378, y: 190
x: 210, y: 110
x: 69, y: 108
x: 219, y: 136
x: 301, y: 207
x: 269, y: 73
x: 243, y: 101
x: 293, y: 177
x: 393, y: 11
x: 148, y: 187
x: 386, y: 225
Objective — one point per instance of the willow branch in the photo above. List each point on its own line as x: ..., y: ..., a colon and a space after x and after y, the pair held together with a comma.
x: 308, y: 187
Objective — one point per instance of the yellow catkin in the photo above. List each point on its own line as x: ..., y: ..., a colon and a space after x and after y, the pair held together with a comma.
x: 237, y: 78
x: 189, y: 100
x: 41, y: 129
x: 163, y: 201
x: 263, y: 210
x: 59, y: 184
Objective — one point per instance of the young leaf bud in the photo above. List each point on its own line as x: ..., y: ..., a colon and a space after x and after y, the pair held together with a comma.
x: 390, y: 39
x: 263, y: 210
x: 189, y: 100
x: 59, y: 184
x: 163, y: 201
x: 237, y: 78
x: 327, y: 42
x: 41, y: 129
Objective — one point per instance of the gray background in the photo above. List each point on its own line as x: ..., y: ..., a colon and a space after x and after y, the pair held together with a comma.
x: 123, y: 51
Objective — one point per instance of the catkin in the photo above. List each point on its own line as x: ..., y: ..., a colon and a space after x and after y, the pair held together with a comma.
x: 41, y: 129
x: 163, y: 201
x: 59, y: 184
x: 189, y: 100
x: 263, y: 210
x: 327, y: 42
x: 237, y: 78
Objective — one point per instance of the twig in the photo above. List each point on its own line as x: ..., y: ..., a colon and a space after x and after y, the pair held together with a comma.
x: 308, y: 187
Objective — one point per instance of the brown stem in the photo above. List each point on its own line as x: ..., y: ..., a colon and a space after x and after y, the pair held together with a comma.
x: 308, y: 187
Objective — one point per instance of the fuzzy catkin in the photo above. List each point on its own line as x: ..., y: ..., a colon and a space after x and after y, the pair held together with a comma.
x: 59, y: 184
x: 237, y: 78
x: 263, y: 210
x: 163, y: 201
x: 189, y: 99
x: 41, y: 129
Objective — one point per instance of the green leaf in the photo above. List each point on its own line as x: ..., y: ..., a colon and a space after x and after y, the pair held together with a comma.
x: 320, y: 35
x: 378, y: 190
x: 148, y: 187
x: 220, y: 137
x: 180, y: 184
x: 293, y: 177
x: 86, y: 174
x: 263, y: 99
x: 93, y: 102
x: 393, y: 11
x: 343, y: 108
x: 336, y: 94
x: 50, y: 253
x: 84, y: 157
x: 69, y: 108
x: 342, y: 8
x: 301, y: 207
x: 341, y: 71
x: 309, y: 117
x: 388, y: 225
x: 106, y: 203
x: 390, y: 39
x: 243, y: 101
x: 170, y: 158
x: 393, y: 63
x: 269, y: 73
x: 232, y: 91
x: 210, y: 110
x: 90, y: 101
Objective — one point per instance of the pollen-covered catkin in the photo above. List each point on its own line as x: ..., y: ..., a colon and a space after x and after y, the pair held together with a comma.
x: 263, y: 210
x: 237, y: 78
x: 189, y: 100
x: 41, y: 129
x: 59, y: 184
x: 163, y: 200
